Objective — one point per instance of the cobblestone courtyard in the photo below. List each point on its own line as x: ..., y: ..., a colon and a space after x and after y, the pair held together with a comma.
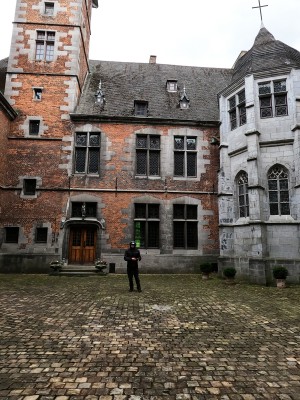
x: 181, y: 338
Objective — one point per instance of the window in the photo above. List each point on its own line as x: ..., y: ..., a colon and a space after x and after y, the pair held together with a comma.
x: 243, y: 198
x: 146, y: 225
x: 278, y: 185
x: 37, y: 94
x: 148, y: 155
x: 41, y: 235
x: 273, y: 99
x: 237, y: 110
x: 84, y: 209
x: 185, y: 156
x: 185, y: 226
x: 29, y: 187
x: 87, y: 153
x: 141, y: 108
x: 172, y: 86
x: 49, y: 8
x: 11, y: 235
x: 34, y: 127
x: 45, y: 46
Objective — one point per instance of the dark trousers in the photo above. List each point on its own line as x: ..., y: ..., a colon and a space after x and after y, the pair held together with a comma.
x: 133, y: 272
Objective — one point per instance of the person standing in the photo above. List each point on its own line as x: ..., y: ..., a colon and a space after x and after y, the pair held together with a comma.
x: 132, y: 256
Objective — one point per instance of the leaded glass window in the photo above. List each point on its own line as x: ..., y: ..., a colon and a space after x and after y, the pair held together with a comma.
x: 146, y: 225
x: 273, y: 99
x: 243, y: 198
x: 45, y: 46
x: 148, y: 155
x: 237, y: 110
x: 185, y: 226
x: 278, y: 185
x: 185, y: 156
x: 87, y: 153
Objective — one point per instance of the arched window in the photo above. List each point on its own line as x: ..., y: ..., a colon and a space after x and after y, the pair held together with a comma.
x: 278, y: 191
x: 243, y: 199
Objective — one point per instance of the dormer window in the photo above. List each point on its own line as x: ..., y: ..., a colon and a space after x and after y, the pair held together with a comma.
x: 172, y: 86
x: 184, y: 102
x: 140, y: 108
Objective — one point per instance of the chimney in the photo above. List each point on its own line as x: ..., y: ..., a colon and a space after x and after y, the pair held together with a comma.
x: 152, y: 60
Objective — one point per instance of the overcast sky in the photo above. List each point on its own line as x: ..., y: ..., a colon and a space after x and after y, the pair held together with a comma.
x: 203, y: 33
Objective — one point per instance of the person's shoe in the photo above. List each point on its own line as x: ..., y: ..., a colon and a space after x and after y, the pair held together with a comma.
x: 139, y: 290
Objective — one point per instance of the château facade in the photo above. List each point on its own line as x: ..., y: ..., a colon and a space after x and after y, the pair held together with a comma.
x: 97, y: 153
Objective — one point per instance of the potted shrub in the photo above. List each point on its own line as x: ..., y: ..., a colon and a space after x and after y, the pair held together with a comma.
x: 57, y: 265
x: 229, y: 273
x: 101, y: 265
x: 280, y: 273
x: 206, y: 270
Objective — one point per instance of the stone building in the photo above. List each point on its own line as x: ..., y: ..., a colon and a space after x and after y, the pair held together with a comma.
x: 100, y: 153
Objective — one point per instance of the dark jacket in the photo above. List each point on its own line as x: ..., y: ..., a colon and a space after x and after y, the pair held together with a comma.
x: 131, y: 253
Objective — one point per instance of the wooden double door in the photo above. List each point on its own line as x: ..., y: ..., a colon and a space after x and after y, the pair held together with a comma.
x: 82, y: 244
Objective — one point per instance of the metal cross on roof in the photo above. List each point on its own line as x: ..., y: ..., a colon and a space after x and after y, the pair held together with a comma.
x: 260, y: 7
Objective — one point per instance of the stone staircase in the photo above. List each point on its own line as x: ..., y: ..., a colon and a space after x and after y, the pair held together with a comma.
x: 79, y: 270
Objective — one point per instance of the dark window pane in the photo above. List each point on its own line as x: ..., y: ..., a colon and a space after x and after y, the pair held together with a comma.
x: 232, y: 102
x: 41, y: 235
x: 77, y: 209
x: 179, y: 164
x: 272, y: 184
x: 80, y: 160
x: 281, y: 111
x: 273, y: 197
x: 191, y: 212
x: 140, y: 211
x: 274, y: 209
x: 94, y: 139
x: 91, y: 209
x: 242, y: 96
x: 191, y: 164
x: 90, y: 237
x: 179, y: 235
x: 29, y: 187
x: 178, y: 211
x: 153, y: 234
x: 154, y: 163
x: 280, y: 86
x: 264, y: 88
x: 81, y: 139
x: 179, y: 143
x: 141, y: 163
x: 285, y: 209
x: 153, y: 210
x: 266, y: 113
x: 265, y: 102
x: 241, y: 200
x: 192, y: 235
x: 94, y: 161
x: 76, y: 238
x: 11, y: 235
x: 34, y: 127
x: 284, y: 197
x: 191, y: 143
x: 141, y: 142
x: 283, y: 184
x: 154, y: 142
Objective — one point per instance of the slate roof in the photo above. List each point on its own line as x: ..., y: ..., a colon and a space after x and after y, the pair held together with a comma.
x: 124, y: 82
x: 266, y: 54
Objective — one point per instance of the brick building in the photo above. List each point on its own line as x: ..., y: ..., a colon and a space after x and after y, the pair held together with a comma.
x: 100, y: 153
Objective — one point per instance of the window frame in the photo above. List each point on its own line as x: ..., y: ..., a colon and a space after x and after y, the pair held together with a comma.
x: 140, y: 108
x: 45, y: 41
x: 41, y: 235
x: 149, y: 222
x: 34, y: 127
x: 49, y: 8
x: 188, y: 230
x: 172, y: 85
x: 278, y: 192
x: 185, y: 154
x: 237, y: 109
x: 242, y: 194
x: 272, y: 95
x: 150, y: 154
x: 89, y: 149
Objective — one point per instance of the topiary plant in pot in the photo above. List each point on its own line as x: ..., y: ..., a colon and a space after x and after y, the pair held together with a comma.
x: 206, y: 270
x: 280, y: 273
x: 229, y: 273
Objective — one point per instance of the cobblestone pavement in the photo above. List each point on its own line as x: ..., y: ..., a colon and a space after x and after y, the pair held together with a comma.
x: 182, y: 338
